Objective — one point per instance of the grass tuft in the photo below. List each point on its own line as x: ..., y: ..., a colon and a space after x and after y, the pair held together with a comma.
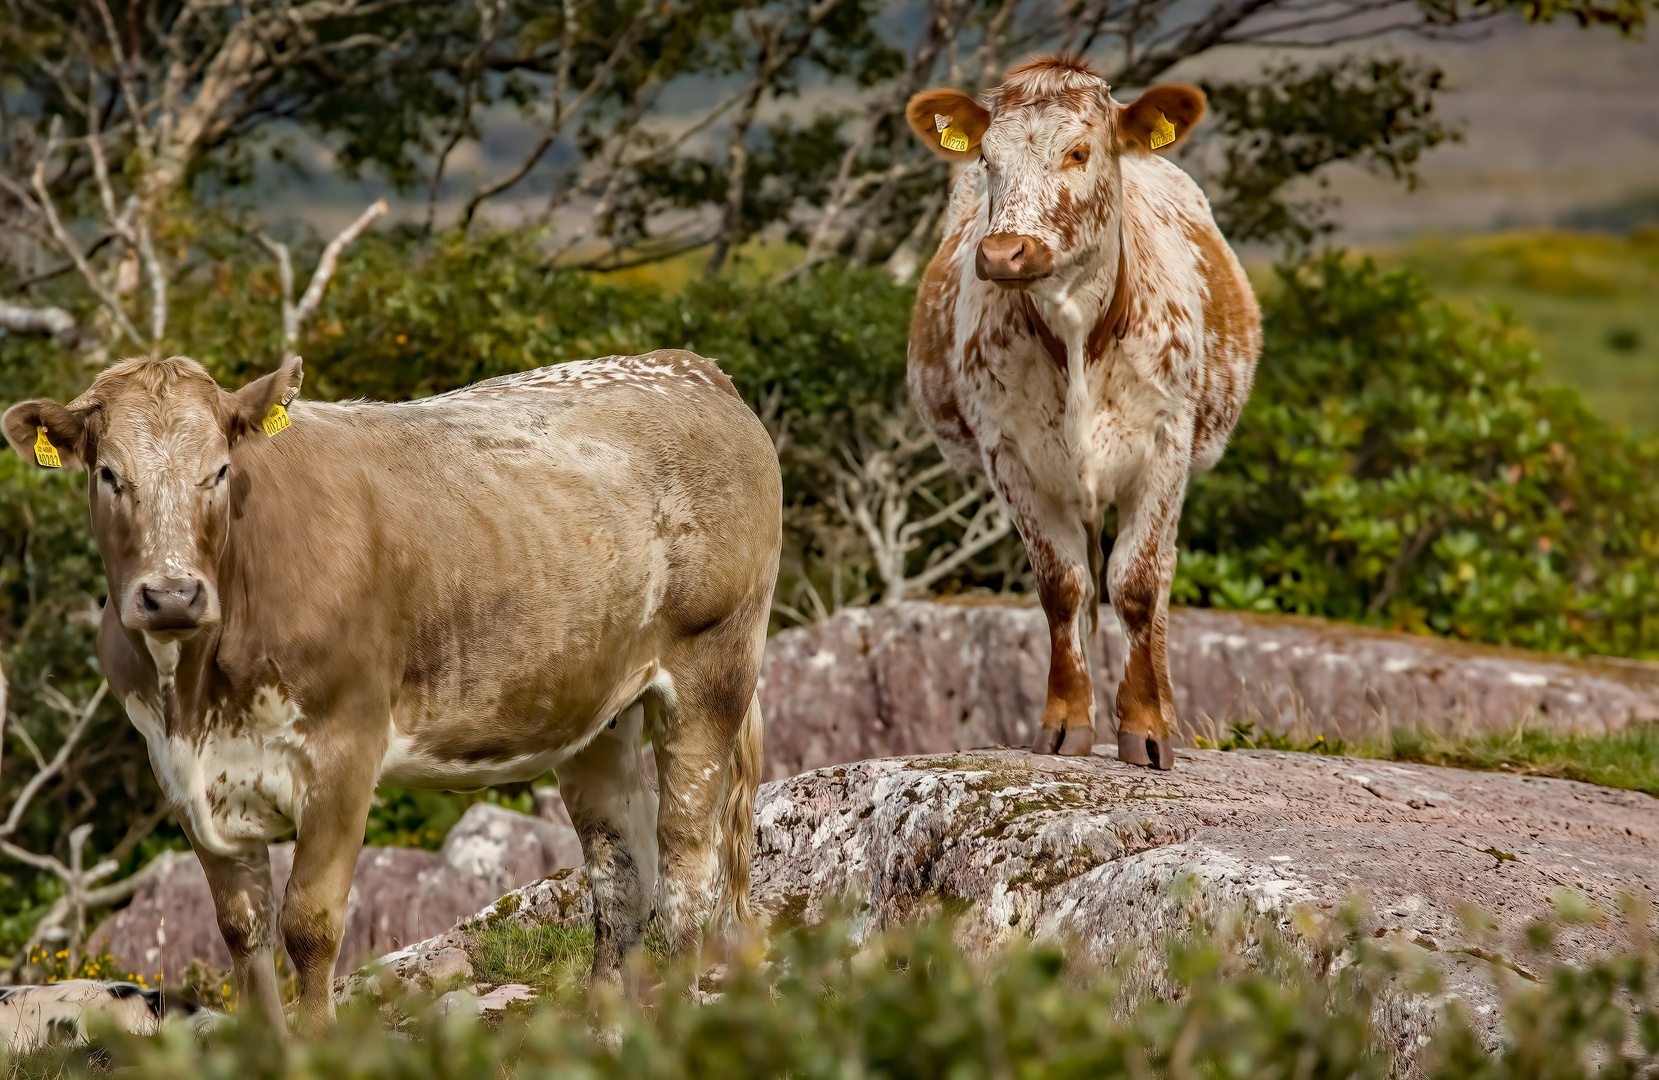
x: 553, y: 960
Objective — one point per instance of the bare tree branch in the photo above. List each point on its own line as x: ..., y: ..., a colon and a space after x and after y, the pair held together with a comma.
x: 54, y: 321
x: 295, y: 316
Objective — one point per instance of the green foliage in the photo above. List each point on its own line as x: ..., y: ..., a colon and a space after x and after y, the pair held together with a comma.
x: 1242, y: 735
x: 418, y: 817
x: 1245, y: 1000
x: 52, y: 966
x: 1586, y: 302
x: 1397, y: 464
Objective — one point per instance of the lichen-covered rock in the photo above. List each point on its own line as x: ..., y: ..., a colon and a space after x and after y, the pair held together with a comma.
x: 928, y: 678
x: 1089, y: 851
x: 1105, y: 856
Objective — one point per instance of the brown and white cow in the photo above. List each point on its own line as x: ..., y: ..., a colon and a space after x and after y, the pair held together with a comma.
x: 525, y: 574
x: 1083, y: 337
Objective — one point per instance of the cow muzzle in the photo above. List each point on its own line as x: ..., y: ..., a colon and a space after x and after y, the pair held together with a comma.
x: 1013, y: 258
x: 163, y: 604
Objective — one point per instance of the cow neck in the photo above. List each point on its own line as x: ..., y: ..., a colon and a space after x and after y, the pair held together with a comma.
x: 184, y: 691
x: 1110, y: 325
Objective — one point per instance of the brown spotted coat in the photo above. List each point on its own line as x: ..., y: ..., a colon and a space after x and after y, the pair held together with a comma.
x: 1084, y: 337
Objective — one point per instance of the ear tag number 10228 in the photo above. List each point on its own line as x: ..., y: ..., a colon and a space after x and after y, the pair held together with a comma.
x: 950, y: 138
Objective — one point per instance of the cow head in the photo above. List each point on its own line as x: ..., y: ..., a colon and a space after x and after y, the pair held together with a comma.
x: 154, y: 437
x: 1051, y: 140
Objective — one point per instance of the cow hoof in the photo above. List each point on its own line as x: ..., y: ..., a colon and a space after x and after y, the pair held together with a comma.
x: 1163, y: 753
x: 1079, y: 741
x: 1132, y: 748
x: 1048, y: 740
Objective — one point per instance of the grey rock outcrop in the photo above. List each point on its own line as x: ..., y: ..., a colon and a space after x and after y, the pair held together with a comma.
x: 398, y: 895
x: 924, y: 678
x: 1088, y: 851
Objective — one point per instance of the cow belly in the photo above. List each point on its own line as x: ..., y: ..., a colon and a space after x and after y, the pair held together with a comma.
x: 437, y: 749
x: 236, y: 784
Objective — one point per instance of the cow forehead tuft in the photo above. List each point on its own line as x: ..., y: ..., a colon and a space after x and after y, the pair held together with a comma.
x: 150, y: 377
x: 1049, y: 79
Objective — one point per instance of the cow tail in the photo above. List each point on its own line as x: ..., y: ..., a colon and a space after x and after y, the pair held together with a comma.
x: 738, y: 820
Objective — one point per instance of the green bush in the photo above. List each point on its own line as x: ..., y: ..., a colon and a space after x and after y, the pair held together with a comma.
x: 1246, y: 1001
x: 1398, y: 464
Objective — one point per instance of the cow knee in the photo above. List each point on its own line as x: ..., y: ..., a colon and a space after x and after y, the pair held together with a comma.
x: 246, y: 931
x: 312, y: 935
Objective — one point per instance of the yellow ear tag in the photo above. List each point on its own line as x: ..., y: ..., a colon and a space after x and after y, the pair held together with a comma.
x: 1163, y: 132
x: 950, y: 138
x: 45, y: 453
x: 276, y: 420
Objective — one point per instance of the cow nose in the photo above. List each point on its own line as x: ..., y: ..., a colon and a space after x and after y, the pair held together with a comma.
x: 171, y: 603
x: 1013, y: 257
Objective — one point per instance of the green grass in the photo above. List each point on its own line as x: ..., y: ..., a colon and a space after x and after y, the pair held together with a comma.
x: 1624, y: 759
x: 552, y: 960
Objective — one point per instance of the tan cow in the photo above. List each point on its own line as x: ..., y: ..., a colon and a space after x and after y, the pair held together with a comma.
x: 526, y: 574
x: 1083, y: 337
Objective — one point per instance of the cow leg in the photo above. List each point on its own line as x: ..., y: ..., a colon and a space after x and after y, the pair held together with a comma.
x: 1057, y: 543
x: 245, y: 904
x: 707, y: 738
x: 615, y: 814
x: 325, y: 858
x: 1139, y: 574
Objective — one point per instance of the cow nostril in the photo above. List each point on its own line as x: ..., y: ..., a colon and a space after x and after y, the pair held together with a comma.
x: 149, y: 599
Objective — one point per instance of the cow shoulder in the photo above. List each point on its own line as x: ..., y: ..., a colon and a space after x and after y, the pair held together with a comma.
x: 933, y: 373
x: 1227, y: 312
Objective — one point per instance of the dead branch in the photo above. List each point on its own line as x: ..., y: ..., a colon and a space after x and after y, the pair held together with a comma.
x: 53, y: 321
x: 295, y: 316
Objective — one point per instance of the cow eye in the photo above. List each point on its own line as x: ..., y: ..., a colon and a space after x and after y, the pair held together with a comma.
x: 224, y: 471
x: 107, y: 476
x: 1079, y: 156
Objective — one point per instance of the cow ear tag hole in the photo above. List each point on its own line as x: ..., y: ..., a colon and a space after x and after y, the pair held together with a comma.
x: 1163, y: 132
x: 275, y: 420
x: 46, y: 455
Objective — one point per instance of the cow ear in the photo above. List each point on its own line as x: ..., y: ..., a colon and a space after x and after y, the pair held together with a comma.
x: 51, y: 435
x: 950, y: 122
x: 256, y: 402
x: 1161, y: 118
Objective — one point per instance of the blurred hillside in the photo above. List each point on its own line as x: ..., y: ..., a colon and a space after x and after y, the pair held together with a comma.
x: 1585, y: 300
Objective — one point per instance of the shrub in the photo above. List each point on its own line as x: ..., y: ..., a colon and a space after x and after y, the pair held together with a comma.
x: 1246, y: 1001
x: 1397, y: 464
